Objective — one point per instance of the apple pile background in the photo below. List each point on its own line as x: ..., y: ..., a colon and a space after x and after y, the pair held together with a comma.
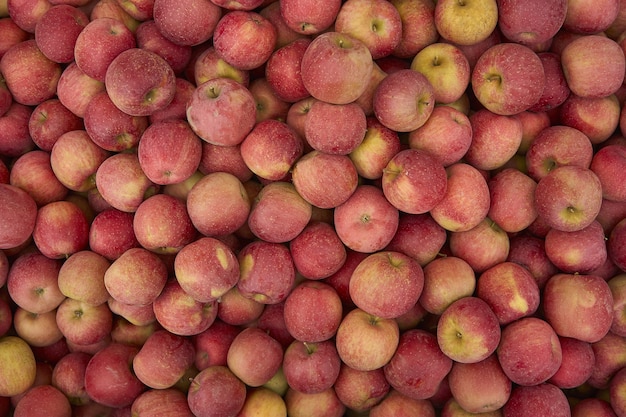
x: 312, y: 208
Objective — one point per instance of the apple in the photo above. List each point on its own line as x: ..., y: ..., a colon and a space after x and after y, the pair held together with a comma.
x: 49, y: 120
x: 263, y: 402
x: 244, y: 39
x: 30, y: 404
x: 615, y: 244
x: 14, y: 33
x: 606, y: 163
x: 529, y: 351
x: 321, y: 237
x: 489, y: 236
x: 304, y: 17
x: 36, y: 329
x: 616, y: 284
x: 151, y: 39
x: 112, y: 9
x: 214, y: 99
x: 211, y: 345
x: 541, y: 399
x: 418, y: 26
x: 18, y: 361
x: 57, y: 29
x: 68, y: 376
x: 272, y: 321
x: 511, y: 190
x: 582, y: 251
x: 32, y: 172
x: 556, y: 90
x: 583, y: 19
x: 446, y: 279
x: 311, y: 368
x: 237, y: 309
x: 366, y: 342
x: 32, y: 282
x: 19, y: 210
x: 375, y: 150
x: 111, y: 233
x: 166, y: 402
x: 548, y: 17
x: 335, y: 128
x: 596, y: 117
x: 216, y: 391
x: 61, y: 229
x: 216, y: 158
x: 496, y: 138
x: 323, y: 404
x: 124, y: 331
x: 576, y: 365
x: 430, y: 365
x: 81, y: 277
x: 209, y: 65
x: 84, y: 324
x: 135, y: 314
x: 282, y: 70
x: 191, y: 25
x: 361, y: 390
x: 608, y: 360
x: 336, y: 68
x: 592, y: 407
x: 15, y: 134
x: 177, y: 108
x: 75, y: 89
x: 466, y: 23
x: 254, y: 370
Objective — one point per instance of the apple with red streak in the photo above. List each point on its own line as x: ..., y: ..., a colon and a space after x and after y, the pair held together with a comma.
x: 593, y: 407
x: 335, y: 128
x: 418, y: 26
x: 177, y: 108
x: 618, y: 290
x: 160, y: 403
x: 493, y: 241
x: 84, y: 324
x: 112, y: 9
x: 37, y: 330
x: 607, y: 163
x: 548, y: 17
x: 556, y: 90
x: 254, y: 370
x: 131, y: 334
x: 361, y: 390
x: 216, y: 388
x: 30, y: 404
x: 511, y: 190
x: 446, y: 279
x: 137, y: 315
x: 191, y: 25
x: 376, y: 149
x: 15, y: 137
x: 577, y: 363
x: 32, y: 172
x: 19, y: 210
x: 318, y: 237
x: 61, y: 229
x: 209, y: 65
x: 14, y: 33
x: 496, y: 138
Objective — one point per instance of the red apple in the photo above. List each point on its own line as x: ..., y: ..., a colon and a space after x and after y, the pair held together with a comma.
x: 30, y: 404
x: 253, y: 369
x: 216, y: 391
x: 606, y: 164
x: 495, y: 139
x: 191, y: 25
x: 311, y: 368
x: 68, y: 376
x: 282, y: 70
x: 489, y: 236
x: 57, y: 30
x: 576, y: 365
x: 237, y: 309
x: 512, y: 191
x: 211, y: 346
x: 33, y: 173
x: 548, y: 17
x: 32, y: 282
x: 111, y: 233
x: 418, y: 26
x: 556, y: 90
x: 81, y: 277
x: 541, y: 399
x: 84, y: 324
x: 37, y: 330
x: 317, y: 251
x: 61, y: 229
x: 167, y: 402
x: 49, y: 120
x: 14, y: 131
x: 75, y: 89
x: 596, y: 117
x: 150, y: 38
x: 303, y: 16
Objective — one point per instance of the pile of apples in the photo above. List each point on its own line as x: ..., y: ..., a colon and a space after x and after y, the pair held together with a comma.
x: 318, y: 208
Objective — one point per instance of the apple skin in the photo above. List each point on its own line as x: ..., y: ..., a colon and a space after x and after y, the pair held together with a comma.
x: 216, y: 388
x: 418, y: 26
x: 355, y: 340
x: 418, y: 236
x: 609, y: 356
x: 495, y: 139
x: 548, y: 17
x: 81, y: 277
x: 188, y: 26
x: 57, y: 29
x: 32, y: 282
x: 32, y: 172
x: 120, y: 387
x: 30, y: 404
x: 61, y: 229
x: 468, y: 331
x: 14, y: 33
x: 542, y: 399
x: 219, y: 97
x: 16, y: 355
x: 209, y: 65
x: 480, y: 387
x: 68, y: 376
x: 616, y: 244
x: 282, y: 71
x: 306, y: 18
x: 616, y: 390
x: 254, y: 370
x: 576, y: 365
x: 336, y: 68
x: 446, y: 279
x: 211, y: 346
x: 38, y: 330
x: 607, y: 162
x: 596, y: 117
x: 317, y: 236
x: 526, y: 358
x: 376, y: 149
x: 556, y: 90
x: 595, y: 311
x: 163, y: 359
x: 322, y: 404
x: 511, y: 190
x: 459, y: 22
x: 177, y: 108
x: 19, y: 210
x: 431, y: 366
x: 84, y: 324
x: 150, y: 38
x: 161, y: 403
x: 335, y: 128
x: 237, y: 309
x: 618, y: 289
x: 111, y: 233
x: 15, y: 135
x: 487, y: 235
x: 595, y: 407
x: 75, y: 89
x: 311, y: 368
x: 584, y: 19
x: 582, y: 251
x: 361, y: 390
x: 49, y: 120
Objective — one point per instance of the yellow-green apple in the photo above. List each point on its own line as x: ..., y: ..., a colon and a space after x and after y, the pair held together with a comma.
x: 122, y: 183
x: 304, y: 17
x: 556, y: 89
x: 452, y: 408
x: 400, y: 405
x: 277, y: 383
x: 577, y: 363
x: 81, y: 277
x: 581, y: 251
x: 592, y: 406
x: 109, y: 379
x: 510, y: 290
x: 267, y: 271
x: 428, y: 364
x: 480, y: 387
x: 160, y: 403
x: 263, y: 402
x: 501, y: 86
x: 84, y: 324
x: 538, y: 400
x: 596, y: 117
x: 268, y: 104
x: 191, y: 25
x: 487, y: 235
x: 386, y: 272
x: 568, y: 198
x: 125, y: 132
x: 447, y: 69
x: 529, y: 351
x: 279, y: 213
x: 14, y: 33
x: 336, y: 68
x: 216, y: 388
x: 457, y: 211
x: 151, y: 39
x: 272, y: 321
x: 68, y: 376
x: 282, y: 71
x: 174, y: 304
x: 361, y: 390
x: 75, y: 89
x: 555, y: 146
x: 237, y: 309
x: 447, y: 134
x: 57, y: 29
x: 418, y: 26
x: 137, y: 315
x: 466, y: 23
x: 210, y: 196
x: 376, y: 23
x: 367, y: 221
x: 317, y: 251
x: 163, y: 359
x: 335, y: 128
x: 206, y: 269
x: 75, y: 158
x: 209, y: 65
x: 366, y: 342
x: 325, y: 180
x: 32, y: 282
x: 253, y: 369
x: 284, y: 34
x: 414, y: 181
x: 15, y: 138
x: 111, y: 233
x: 548, y: 19
x: 512, y: 191
x: 32, y: 172
x: 271, y: 149
x: 446, y: 279
x: 212, y: 101
x: 404, y: 100
x: 56, y: 403
x: 586, y: 297
x: 376, y: 149
x: 313, y: 312
x: 468, y: 331
x: 585, y: 18
x: 495, y: 139
x: 244, y: 39
x: 311, y: 367
x: 49, y: 120
x: 100, y: 41
x: 607, y: 164
x: 31, y: 77
x: 323, y: 404
x: 36, y: 329
x: 19, y: 211
x: 577, y: 58
x: 177, y: 109
x: 61, y: 229
x: 211, y: 346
